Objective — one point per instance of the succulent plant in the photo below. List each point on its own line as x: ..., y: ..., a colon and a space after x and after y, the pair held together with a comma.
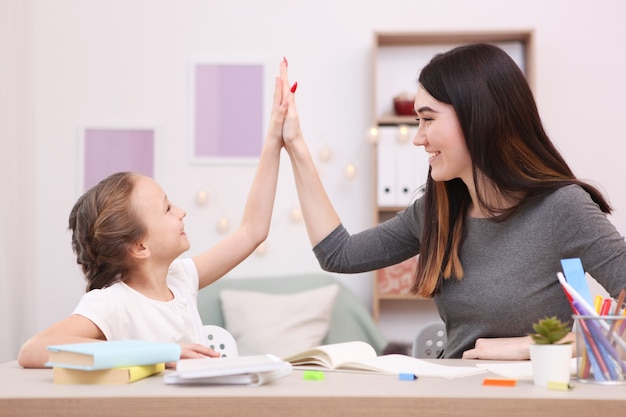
x: 549, y: 331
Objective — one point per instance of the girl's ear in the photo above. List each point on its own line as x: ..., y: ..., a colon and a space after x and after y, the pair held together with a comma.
x: 139, y: 251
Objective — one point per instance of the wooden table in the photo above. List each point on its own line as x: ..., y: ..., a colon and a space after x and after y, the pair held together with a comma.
x: 30, y: 392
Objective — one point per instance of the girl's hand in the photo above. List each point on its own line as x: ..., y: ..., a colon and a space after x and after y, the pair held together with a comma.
x: 279, y: 106
x: 193, y: 351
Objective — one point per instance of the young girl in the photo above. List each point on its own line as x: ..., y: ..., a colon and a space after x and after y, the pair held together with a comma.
x: 127, y: 237
x: 500, y: 210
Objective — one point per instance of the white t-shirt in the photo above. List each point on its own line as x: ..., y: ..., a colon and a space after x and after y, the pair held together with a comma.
x: 123, y: 313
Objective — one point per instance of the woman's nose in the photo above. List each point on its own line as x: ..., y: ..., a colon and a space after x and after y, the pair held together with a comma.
x: 420, y: 138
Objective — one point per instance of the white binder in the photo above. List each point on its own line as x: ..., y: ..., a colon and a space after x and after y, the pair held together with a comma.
x: 386, y: 167
x: 402, y: 167
x: 412, y: 169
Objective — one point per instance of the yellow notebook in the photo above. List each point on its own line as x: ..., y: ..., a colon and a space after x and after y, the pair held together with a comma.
x: 122, y: 375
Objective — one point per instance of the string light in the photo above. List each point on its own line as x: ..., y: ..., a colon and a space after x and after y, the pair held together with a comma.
x: 350, y: 171
x: 403, y: 133
x: 296, y: 214
x: 223, y: 224
x: 325, y: 153
x: 202, y: 198
x: 372, y: 135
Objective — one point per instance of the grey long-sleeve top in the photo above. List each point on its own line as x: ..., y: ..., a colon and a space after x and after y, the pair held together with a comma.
x: 509, y: 267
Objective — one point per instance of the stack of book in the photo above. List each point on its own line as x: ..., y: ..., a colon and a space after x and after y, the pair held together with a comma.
x: 110, y: 362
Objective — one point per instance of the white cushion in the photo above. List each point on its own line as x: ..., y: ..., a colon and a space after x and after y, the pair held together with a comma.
x: 280, y: 324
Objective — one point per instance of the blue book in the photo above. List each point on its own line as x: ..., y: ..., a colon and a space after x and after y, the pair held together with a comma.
x: 112, y: 354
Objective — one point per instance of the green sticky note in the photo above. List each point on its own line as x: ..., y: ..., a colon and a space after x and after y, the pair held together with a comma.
x: 313, y: 375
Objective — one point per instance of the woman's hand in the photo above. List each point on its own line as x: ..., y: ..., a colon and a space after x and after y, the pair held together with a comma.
x: 318, y: 212
x: 505, y: 348
x: 291, y: 127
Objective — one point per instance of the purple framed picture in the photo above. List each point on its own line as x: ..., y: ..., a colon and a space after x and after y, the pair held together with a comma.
x: 106, y: 151
x: 227, y: 110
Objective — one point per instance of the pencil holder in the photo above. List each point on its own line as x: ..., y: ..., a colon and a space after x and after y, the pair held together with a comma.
x: 600, y: 349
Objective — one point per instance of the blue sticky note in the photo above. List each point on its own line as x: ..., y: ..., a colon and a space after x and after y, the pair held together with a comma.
x: 575, y: 276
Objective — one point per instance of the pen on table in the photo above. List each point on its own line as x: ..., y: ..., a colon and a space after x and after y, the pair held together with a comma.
x: 620, y: 302
x: 598, y: 364
x: 597, y: 303
x: 585, y: 308
x: 618, y: 308
x: 603, y: 349
x: 606, y: 307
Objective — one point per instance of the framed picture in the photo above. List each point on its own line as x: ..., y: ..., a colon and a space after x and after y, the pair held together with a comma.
x: 227, y: 112
x: 105, y: 151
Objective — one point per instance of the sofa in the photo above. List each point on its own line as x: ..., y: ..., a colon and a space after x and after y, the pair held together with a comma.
x: 285, y: 314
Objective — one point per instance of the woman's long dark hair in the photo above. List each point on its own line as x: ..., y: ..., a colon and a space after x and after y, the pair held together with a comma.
x: 507, y: 145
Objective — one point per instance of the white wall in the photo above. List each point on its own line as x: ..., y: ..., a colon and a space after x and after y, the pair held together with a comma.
x: 76, y: 63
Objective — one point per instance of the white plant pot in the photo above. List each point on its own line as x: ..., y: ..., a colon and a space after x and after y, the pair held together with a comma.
x: 551, y: 363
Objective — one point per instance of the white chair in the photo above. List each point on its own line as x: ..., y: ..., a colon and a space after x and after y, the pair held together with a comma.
x: 220, y: 340
x: 430, y: 341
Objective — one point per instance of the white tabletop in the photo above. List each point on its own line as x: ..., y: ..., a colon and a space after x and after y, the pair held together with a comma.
x: 31, y: 392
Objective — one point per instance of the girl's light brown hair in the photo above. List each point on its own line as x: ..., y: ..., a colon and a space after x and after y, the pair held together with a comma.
x: 104, y: 225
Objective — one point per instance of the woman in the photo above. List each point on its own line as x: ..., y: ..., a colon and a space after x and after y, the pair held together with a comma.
x: 500, y: 210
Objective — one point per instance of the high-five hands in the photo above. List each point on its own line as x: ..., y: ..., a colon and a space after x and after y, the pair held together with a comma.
x: 291, y: 127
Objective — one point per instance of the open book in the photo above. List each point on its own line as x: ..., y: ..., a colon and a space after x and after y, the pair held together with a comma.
x: 238, y: 370
x: 360, y: 356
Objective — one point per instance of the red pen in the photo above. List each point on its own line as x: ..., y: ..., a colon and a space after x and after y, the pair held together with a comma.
x: 606, y: 307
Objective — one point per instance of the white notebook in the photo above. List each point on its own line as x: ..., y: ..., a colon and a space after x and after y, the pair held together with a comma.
x: 239, y: 370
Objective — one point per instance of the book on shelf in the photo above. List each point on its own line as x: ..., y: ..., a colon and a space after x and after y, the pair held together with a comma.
x: 123, y: 375
x: 360, y: 356
x: 112, y: 354
x: 397, y: 279
x: 232, y: 370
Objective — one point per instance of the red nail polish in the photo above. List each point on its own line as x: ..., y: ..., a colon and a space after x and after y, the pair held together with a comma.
x: 294, y: 87
x: 285, y: 59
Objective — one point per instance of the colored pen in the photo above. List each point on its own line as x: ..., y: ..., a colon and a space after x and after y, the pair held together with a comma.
x: 606, y: 307
x: 584, y: 308
x: 597, y: 303
x: 618, y: 308
x: 620, y: 302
